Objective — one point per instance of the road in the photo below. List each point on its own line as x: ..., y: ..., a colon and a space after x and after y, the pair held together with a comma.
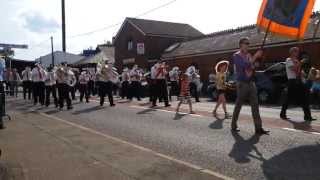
x: 291, y: 151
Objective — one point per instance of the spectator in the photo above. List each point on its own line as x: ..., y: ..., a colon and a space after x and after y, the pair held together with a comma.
x: 14, y: 80
x: 315, y: 90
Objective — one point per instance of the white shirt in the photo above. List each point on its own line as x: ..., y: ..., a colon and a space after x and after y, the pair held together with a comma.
x: 174, y: 75
x: 154, y: 71
x: 291, y: 74
x: 72, y: 80
x: 38, y: 75
x: 26, y: 75
x: 135, y: 75
x: 125, y: 76
x: 161, y: 72
x: 51, y: 79
x: 84, y: 78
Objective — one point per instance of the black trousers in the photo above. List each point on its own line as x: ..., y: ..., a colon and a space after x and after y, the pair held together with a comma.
x: 84, y: 92
x: 161, y: 90
x: 174, y: 89
x: 194, y: 91
x: 135, y: 89
x: 13, y: 88
x: 38, y: 92
x: 105, y: 88
x: 63, y: 91
x: 3, y: 103
x: 27, y: 88
x: 91, y: 88
x: 125, y: 89
x: 298, y: 95
x: 72, y: 90
x: 51, y: 90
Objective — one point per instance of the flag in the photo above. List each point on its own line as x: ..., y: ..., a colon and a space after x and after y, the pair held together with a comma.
x: 285, y: 17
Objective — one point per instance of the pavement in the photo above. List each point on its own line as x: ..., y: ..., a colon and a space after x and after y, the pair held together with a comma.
x: 137, y: 142
x: 38, y: 146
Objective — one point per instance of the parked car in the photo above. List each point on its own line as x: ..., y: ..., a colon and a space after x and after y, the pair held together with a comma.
x: 271, y: 84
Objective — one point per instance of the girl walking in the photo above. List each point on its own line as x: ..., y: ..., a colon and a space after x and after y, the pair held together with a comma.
x: 221, y: 85
x: 185, y: 92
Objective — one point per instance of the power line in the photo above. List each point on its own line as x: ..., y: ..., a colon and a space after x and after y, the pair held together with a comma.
x: 119, y: 23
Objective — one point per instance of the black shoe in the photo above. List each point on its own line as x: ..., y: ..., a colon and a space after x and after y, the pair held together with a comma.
x: 112, y: 105
x: 70, y: 107
x: 153, y: 106
x: 2, y: 126
x: 235, y: 130
x: 262, y: 132
x: 310, y: 119
x: 167, y: 105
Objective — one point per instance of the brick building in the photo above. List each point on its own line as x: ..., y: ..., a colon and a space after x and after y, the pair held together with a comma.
x: 142, y: 41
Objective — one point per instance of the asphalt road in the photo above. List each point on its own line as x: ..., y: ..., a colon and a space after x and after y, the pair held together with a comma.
x: 203, y: 140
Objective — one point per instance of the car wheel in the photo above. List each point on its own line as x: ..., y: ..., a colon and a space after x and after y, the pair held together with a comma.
x: 263, y: 96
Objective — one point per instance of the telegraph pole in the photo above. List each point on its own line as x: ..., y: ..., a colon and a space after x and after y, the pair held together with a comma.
x: 63, y: 26
x: 52, y: 55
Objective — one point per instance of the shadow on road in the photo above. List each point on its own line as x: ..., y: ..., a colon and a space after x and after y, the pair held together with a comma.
x: 146, y: 111
x: 218, y: 124
x: 242, y: 148
x: 179, y: 116
x: 92, y: 109
x: 298, y: 163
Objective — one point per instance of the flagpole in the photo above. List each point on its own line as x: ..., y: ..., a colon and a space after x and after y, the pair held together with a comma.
x: 266, y: 35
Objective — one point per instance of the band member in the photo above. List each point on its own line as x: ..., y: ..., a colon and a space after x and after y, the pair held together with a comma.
x: 27, y: 82
x: 63, y: 86
x: 84, y: 79
x: 195, y: 84
x: 91, y: 86
x: 135, y: 87
x: 2, y: 79
x: 105, y: 76
x: 161, y: 84
x: 185, y: 92
x: 174, y: 85
x: 51, y: 87
x: 14, y: 80
x: 125, y: 79
x: 72, y: 83
x: 296, y: 89
x: 38, y: 78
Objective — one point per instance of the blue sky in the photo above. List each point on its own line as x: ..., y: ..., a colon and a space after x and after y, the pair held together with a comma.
x: 32, y: 22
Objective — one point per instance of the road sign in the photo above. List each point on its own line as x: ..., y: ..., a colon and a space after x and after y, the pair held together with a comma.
x: 15, y: 46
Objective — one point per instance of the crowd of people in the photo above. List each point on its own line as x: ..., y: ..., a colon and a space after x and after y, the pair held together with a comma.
x: 60, y: 83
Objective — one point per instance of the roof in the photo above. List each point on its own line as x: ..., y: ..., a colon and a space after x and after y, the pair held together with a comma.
x: 161, y: 28
x: 106, y: 52
x: 227, y: 40
x: 59, y: 57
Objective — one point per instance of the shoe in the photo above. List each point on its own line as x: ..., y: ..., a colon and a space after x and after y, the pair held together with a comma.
x: 112, y: 105
x: 2, y: 126
x: 310, y: 119
x: 214, y: 113
x: 235, y: 130
x: 69, y: 108
x: 197, y: 101
x: 262, y: 132
x: 153, y: 106
x: 192, y: 112
x: 167, y: 105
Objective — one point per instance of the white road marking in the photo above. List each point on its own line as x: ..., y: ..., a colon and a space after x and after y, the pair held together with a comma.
x: 203, y: 170
x: 301, y: 131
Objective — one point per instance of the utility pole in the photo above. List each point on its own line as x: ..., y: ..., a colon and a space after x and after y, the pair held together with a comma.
x: 52, y: 55
x: 63, y: 26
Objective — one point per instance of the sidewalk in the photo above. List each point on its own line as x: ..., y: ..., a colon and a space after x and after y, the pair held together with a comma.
x: 35, y: 146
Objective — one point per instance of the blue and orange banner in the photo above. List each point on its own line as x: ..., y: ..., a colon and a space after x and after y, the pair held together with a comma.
x: 288, y: 18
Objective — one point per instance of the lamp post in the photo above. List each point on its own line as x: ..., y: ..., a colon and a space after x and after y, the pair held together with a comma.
x: 63, y: 26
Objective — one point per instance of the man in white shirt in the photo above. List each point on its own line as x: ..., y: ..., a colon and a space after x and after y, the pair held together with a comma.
x: 135, y: 87
x: 174, y: 82
x: 296, y: 89
x: 38, y: 78
x: 51, y: 88
x: 125, y: 78
x: 2, y: 69
x: 84, y: 79
x: 27, y: 82
x: 63, y: 86
x: 105, y: 77
x: 72, y: 82
x: 160, y: 73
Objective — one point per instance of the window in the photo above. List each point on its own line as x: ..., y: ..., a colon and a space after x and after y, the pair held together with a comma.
x: 130, y: 45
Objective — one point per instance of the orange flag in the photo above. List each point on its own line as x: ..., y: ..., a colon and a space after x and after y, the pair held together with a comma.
x: 288, y: 18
